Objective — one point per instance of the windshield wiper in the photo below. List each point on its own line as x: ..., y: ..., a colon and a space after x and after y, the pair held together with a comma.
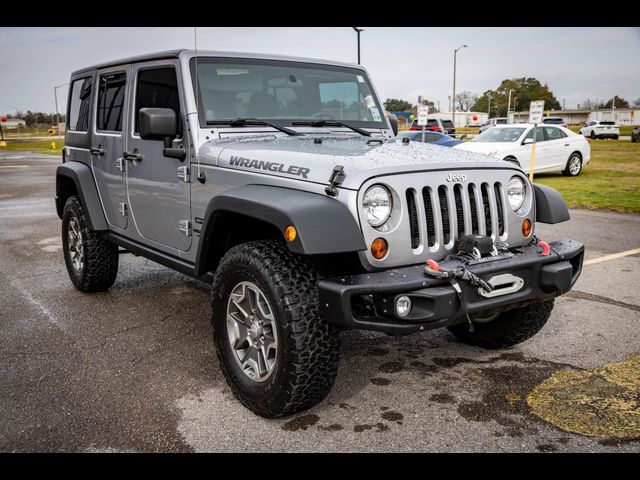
x: 243, y: 122
x: 332, y: 123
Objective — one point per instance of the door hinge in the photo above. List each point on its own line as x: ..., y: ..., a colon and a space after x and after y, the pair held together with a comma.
x: 120, y: 164
x: 123, y: 209
x: 183, y: 173
x: 185, y: 227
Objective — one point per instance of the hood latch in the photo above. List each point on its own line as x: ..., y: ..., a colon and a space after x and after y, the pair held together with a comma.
x: 335, y: 180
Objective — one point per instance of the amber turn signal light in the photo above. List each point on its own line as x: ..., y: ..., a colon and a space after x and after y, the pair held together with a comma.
x: 379, y: 248
x: 526, y: 227
x: 290, y: 233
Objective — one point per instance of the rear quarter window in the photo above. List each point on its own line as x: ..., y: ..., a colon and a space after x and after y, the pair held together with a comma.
x: 79, y: 105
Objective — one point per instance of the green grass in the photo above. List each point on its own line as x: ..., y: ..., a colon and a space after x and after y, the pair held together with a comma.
x: 39, y: 146
x: 611, y: 180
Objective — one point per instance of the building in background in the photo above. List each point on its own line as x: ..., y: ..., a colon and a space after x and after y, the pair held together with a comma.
x: 14, y: 124
x: 622, y: 116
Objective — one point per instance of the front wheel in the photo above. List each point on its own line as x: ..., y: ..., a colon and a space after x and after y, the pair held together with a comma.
x: 277, y: 353
x: 507, y: 329
x: 593, y: 135
x: 574, y: 166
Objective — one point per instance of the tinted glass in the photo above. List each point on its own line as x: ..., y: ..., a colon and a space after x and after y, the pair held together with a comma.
x: 285, y: 91
x: 447, y: 123
x: 499, y: 135
x: 432, y: 122
x: 539, y: 134
x: 554, y: 133
x: 157, y: 88
x: 110, y: 102
x: 607, y: 123
x: 556, y: 121
x: 79, y: 103
x: 501, y: 120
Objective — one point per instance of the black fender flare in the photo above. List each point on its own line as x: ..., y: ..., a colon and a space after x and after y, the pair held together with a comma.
x: 324, y: 225
x: 82, y: 177
x: 550, y: 206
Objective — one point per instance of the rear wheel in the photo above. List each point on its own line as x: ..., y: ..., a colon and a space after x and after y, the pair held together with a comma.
x: 593, y: 135
x: 92, y: 262
x: 574, y: 165
x: 615, y: 137
x: 278, y: 355
x: 507, y: 329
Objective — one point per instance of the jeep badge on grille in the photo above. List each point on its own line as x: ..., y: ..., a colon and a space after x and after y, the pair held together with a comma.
x: 456, y: 177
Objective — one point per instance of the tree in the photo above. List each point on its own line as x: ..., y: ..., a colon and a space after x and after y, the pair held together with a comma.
x: 620, y: 102
x: 396, y: 105
x: 524, y: 90
x: 465, y: 100
x: 636, y: 102
x: 430, y: 104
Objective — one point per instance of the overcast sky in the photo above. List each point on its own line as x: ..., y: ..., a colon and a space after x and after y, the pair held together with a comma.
x: 577, y: 63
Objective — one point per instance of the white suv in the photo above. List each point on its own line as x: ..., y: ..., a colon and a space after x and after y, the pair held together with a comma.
x: 601, y: 129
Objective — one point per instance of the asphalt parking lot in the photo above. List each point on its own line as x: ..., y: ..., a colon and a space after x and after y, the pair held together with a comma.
x: 133, y: 369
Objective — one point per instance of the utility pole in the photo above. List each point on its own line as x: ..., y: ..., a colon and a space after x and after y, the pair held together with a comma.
x: 563, y: 106
x: 453, y: 98
x: 509, y: 105
x: 358, y: 30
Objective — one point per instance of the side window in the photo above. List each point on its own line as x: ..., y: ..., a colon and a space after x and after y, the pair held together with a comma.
x: 539, y: 135
x: 110, y: 102
x: 79, y: 104
x: 157, y: 88
x: 554, y: 133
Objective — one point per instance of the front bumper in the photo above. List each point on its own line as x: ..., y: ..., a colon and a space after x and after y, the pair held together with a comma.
x: 366, y: 301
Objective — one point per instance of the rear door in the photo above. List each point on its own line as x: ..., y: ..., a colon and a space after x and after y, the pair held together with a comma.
x: 159, y: 187
x: 108, y: 143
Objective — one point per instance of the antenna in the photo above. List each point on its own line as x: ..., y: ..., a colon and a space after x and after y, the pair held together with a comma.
x: 200, y: 176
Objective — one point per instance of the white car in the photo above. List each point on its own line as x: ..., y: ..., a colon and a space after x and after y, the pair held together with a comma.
x: 601, y: 129
x: 558, y: 149
x: 492, y: 122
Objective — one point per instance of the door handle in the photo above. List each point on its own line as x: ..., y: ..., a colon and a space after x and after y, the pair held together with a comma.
x: 566, y: 144
x: 132, y: 156
x: 97, y: 151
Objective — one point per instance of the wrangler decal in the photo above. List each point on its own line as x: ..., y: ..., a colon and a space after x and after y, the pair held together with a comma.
x: 270, y: 166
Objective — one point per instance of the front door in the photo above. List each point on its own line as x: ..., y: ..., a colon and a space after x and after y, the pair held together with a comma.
x: 158, y: 186
x: 542, y: 151
x: 108, y: 143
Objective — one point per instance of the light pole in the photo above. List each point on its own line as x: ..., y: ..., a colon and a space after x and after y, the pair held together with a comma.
x: 509, y: 105
x: 489, y: 107
x: 358, y: 30
x: 55, y: 96
x: 453, y: 99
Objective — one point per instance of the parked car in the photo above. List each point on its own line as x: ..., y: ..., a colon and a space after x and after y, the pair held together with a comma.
x: 305, y: 226
x: 601, y: 129
x: 635, y: 134
x: 53, y: 130
x: 554, y: 121
x: 435, y: 138
x: 558, y: 149
x: 492, y: 122
x: 436, y: 125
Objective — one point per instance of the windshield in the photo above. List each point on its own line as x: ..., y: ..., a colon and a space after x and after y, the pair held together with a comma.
x: 284, y: 92
x: 499, y: 135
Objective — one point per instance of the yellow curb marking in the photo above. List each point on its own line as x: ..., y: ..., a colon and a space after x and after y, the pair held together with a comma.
x: 603, y: 402
x: 613, y: 256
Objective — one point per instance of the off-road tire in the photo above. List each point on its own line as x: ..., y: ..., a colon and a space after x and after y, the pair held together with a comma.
x: 100, y: 256
x: 308, y: 346
x: 507, y: 329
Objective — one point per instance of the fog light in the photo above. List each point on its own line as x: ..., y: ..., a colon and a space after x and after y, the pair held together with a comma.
x: 403, y: 306
x: 290, y: 233
x: 379, y: 248
x: 526, y: 227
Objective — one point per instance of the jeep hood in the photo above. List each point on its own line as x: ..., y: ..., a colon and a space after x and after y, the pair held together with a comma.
x: 362, y: 157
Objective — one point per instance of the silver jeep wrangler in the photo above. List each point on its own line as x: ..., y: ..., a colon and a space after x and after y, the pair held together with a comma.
x: 281, y: 181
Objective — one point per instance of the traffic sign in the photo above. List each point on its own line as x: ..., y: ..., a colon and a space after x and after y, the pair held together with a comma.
x: 536, y: 111
x: 423, y: 113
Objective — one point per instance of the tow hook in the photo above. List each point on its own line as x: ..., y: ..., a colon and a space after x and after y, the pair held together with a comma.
x: 546, y: 248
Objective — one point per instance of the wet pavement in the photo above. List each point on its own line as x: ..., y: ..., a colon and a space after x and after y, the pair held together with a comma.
x: 133, y: 368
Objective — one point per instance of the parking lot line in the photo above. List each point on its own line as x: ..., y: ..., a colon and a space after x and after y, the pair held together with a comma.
x: 613, y: 256
x: 15, y: 166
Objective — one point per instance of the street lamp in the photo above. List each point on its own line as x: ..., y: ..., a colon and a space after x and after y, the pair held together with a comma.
x: 358, y: 30
x: 55, y: 96
x: 453, y: 99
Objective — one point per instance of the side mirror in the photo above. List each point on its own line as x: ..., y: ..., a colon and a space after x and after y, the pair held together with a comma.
x: 527, y: 141
x: 393, y: 121
x: 158, y: 123
x: 161, y: 124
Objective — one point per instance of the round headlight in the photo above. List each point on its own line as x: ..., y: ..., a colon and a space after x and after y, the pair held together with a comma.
x: 515, y: 192
x: 377, y: 204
